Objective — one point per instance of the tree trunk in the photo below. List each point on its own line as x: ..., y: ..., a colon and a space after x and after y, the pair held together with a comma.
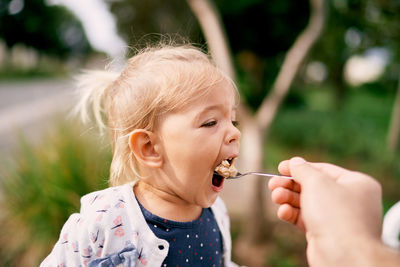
x: 210, y: 22
x: 340, y: 92
x: 394, y: 128
x: 251, y: 154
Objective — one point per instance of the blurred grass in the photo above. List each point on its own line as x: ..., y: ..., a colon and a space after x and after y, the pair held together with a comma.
x: 21, y: 74
x: 45, y: 68
x: 43, y: 187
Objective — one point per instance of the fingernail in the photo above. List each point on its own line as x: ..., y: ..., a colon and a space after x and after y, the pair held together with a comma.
x: 296, y: 161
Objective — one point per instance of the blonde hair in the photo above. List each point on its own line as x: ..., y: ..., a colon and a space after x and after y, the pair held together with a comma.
x: 155, y: 81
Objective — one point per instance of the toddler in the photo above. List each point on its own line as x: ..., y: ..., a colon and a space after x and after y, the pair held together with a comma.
x: 171, y: 118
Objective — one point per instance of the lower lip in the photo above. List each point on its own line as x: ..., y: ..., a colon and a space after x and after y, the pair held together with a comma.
x: 218, y: 188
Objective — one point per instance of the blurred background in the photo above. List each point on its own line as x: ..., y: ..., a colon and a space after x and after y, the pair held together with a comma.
x: 327, y: 69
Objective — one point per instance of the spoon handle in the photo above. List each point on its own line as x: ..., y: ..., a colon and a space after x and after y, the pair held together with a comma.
x: 238, y: 175
x: 268, y: 175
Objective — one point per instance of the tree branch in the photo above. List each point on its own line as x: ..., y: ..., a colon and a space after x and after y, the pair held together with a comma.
x: 394, y: 129
x: 292, y: 63
x: 210, y: 22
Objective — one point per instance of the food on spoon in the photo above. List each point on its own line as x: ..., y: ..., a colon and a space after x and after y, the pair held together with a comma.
x: 226, y: 169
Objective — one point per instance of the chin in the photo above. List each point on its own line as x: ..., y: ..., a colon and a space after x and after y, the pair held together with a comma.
x: 209, y: 202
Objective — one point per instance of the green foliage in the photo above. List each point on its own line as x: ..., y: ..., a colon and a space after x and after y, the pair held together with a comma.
x: 53, y: 30
x: 287, y: 247
x: 43, y: 187
x: 280, y: 260
x: 41, y: 71
x: 353, y: 136
x: 259, y: 34
x: 136, y: 19
x: 266, y: 28
x: 357, y: 129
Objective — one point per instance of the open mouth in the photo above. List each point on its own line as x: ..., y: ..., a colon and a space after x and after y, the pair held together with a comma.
x: 223, y: 170
x: 217, y: 179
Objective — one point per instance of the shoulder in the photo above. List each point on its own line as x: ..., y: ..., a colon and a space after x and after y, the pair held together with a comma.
x: 104, y: 219
x: 108, y: 211
x: 103, y: 199
x: 102, y: 211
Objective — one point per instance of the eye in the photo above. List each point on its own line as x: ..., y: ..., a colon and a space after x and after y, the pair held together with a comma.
x: 235, y: 123
x: 209, y: 124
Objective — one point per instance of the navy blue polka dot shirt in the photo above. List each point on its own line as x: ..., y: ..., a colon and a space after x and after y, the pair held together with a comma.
x: 195, y: 243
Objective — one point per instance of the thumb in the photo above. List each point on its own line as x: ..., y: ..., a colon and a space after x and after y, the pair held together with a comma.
x: 303, y: 172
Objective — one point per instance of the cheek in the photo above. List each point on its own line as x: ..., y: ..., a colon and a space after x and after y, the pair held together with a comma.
x: 193, y: 160
x: 207, y: 153
x: 180, y: 153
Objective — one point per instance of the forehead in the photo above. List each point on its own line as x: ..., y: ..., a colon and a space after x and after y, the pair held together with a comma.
x: 220, y: 95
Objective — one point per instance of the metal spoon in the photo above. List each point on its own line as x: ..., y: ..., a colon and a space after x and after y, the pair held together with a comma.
x: 238, y: 175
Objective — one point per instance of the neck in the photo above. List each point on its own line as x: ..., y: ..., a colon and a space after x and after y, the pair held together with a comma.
x: 165, y: 204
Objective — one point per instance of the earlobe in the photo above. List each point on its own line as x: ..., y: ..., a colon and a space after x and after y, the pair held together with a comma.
x: 144, y: 145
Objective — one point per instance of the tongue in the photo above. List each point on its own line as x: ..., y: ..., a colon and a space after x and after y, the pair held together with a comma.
x: 217, y: 179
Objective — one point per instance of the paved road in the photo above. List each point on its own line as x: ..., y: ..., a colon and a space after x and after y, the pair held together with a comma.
x: 29, y: 106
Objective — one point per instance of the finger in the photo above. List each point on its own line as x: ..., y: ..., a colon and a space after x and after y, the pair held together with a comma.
x: 292, y: 215
x: 300, y: 222
x: 284, y: 168
x: 334, y: 171
x: 276, y: 182
x: 304, y: 172
x: 285, y: 196
x: 288, y: 213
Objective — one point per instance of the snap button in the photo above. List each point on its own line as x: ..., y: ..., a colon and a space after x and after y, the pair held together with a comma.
x: 161, y: 247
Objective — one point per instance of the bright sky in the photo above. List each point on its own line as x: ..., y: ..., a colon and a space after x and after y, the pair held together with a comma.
x: 99, y: 25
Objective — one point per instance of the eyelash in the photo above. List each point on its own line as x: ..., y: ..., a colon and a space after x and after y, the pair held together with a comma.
x: 212, y: 123
x: 209, y: 124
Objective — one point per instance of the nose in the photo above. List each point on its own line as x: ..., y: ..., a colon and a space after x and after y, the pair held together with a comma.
x: 233, y: 134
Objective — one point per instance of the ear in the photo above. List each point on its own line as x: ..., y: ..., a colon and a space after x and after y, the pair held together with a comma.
x: 144, y: 145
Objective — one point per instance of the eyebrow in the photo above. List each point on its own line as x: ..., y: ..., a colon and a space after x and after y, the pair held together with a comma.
x: 213, y: 107
x: 218, y: 106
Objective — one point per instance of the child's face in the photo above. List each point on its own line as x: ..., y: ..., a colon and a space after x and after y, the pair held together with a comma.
x: 195, y: 140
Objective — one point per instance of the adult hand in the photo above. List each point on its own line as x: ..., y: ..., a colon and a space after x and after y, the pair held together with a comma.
x: 340, y: 210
